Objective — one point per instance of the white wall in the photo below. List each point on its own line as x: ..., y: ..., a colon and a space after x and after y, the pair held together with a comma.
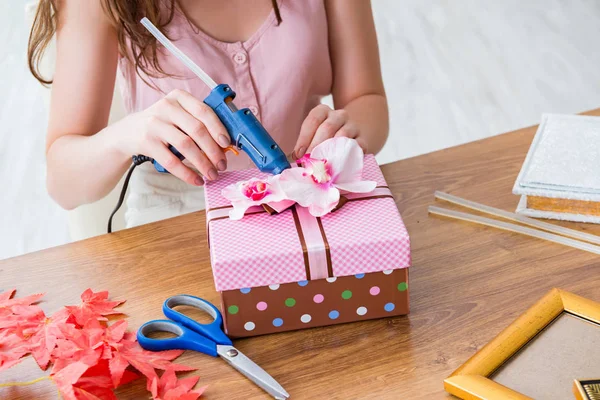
x: 455, y: 71
x: 29, y: 220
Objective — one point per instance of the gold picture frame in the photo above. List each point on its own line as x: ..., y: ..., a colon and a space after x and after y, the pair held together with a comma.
x: 586, y: 389
x: 472, y: 379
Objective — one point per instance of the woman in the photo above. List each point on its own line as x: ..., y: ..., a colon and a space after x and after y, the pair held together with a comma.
x: 280, y: 56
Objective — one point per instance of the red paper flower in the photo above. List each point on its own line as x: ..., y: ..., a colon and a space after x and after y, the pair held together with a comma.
x: 90, y: 358
x: 67, y: 377
x: 94, y: 306
x: 168, y: 387
x: 6, y: 301
x: 44, y: 336
x: 147, y: 362
x: 97, y: 382
x: 12, y: 348
x: 78, y: 345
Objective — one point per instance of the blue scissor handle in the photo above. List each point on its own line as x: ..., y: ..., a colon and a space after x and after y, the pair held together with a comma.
x: 186, y: 339
x: 212, y: 330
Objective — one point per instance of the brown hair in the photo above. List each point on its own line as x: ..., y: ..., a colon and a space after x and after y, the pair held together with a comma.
x: 125, y: 16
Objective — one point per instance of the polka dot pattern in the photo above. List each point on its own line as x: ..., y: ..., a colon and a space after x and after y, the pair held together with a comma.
x: 290, y: 302
x: 233, y: 309
x: 298, y: 305
x: 356, y: 262
x: 388, y: 242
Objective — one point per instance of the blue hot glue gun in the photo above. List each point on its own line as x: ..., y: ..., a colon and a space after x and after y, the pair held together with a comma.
x: 245, y: 131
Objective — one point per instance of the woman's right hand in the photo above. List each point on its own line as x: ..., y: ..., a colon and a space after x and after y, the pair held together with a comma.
x: 186, y: 123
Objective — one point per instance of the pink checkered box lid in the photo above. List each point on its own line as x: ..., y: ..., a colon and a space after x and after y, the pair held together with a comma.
x: 259, y: 250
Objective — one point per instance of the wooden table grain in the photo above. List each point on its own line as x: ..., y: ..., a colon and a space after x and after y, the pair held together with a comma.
x: 467, y: 283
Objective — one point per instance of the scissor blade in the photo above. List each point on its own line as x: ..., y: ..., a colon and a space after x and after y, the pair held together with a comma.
x: 256, y: 374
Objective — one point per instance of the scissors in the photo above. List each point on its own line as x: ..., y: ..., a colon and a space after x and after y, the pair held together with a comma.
x: 205, y: 338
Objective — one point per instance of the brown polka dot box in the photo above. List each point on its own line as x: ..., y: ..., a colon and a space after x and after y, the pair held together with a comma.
x: 284, y: 262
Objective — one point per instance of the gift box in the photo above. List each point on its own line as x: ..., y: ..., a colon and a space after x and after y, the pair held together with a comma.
x: 290, y: 270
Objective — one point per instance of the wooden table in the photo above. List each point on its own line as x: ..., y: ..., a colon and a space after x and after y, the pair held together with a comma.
x: 468, y: 282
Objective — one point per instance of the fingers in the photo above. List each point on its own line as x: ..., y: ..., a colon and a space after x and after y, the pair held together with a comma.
x: 351, y: 131
x: 310, y: 125
x: 172, y: 164
x: 328, y: 129
x: 197, y: 133
x: 167, y: 134
x: 203, y: 113
x: 323, y: 123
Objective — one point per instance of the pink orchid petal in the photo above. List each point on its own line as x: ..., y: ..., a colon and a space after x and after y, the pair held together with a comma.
x: 238, y: 211
x: 300, y: 187
x: 326, y: 201
x: 344, y: 156
x: 233, y: 193
x: 334, y: 165
x: 357, y: 187
x: 237, y: 195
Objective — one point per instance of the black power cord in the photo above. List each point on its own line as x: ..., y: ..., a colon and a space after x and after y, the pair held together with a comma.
x: 137, y: 160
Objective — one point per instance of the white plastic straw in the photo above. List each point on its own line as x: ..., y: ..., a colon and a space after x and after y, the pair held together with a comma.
x: 515, y: 228
x: 178, y: 53
x: 518, y: 218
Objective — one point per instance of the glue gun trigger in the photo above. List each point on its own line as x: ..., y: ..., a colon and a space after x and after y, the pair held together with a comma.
x: 232, y: 149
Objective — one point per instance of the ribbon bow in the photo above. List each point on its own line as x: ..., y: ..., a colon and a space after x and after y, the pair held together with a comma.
x: 311, y: 234
x: 310, y: 191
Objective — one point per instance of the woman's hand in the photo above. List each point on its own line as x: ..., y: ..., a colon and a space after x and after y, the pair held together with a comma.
x: 186, y: 123
x: 323, y: 123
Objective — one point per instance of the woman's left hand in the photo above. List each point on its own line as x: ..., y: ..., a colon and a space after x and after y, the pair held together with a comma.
x: 323, y: 123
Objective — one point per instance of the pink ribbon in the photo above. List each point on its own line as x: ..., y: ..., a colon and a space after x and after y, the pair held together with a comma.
x: 379, y: 191
x: 223, y: 212
x: 314, y: 237
x: 315, y: 243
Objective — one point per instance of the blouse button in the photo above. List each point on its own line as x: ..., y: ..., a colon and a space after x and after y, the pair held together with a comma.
x: 240, y: 58
x: 254, y: 110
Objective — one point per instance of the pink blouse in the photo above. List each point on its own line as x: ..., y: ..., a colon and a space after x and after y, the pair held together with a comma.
x: 280, y: 73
